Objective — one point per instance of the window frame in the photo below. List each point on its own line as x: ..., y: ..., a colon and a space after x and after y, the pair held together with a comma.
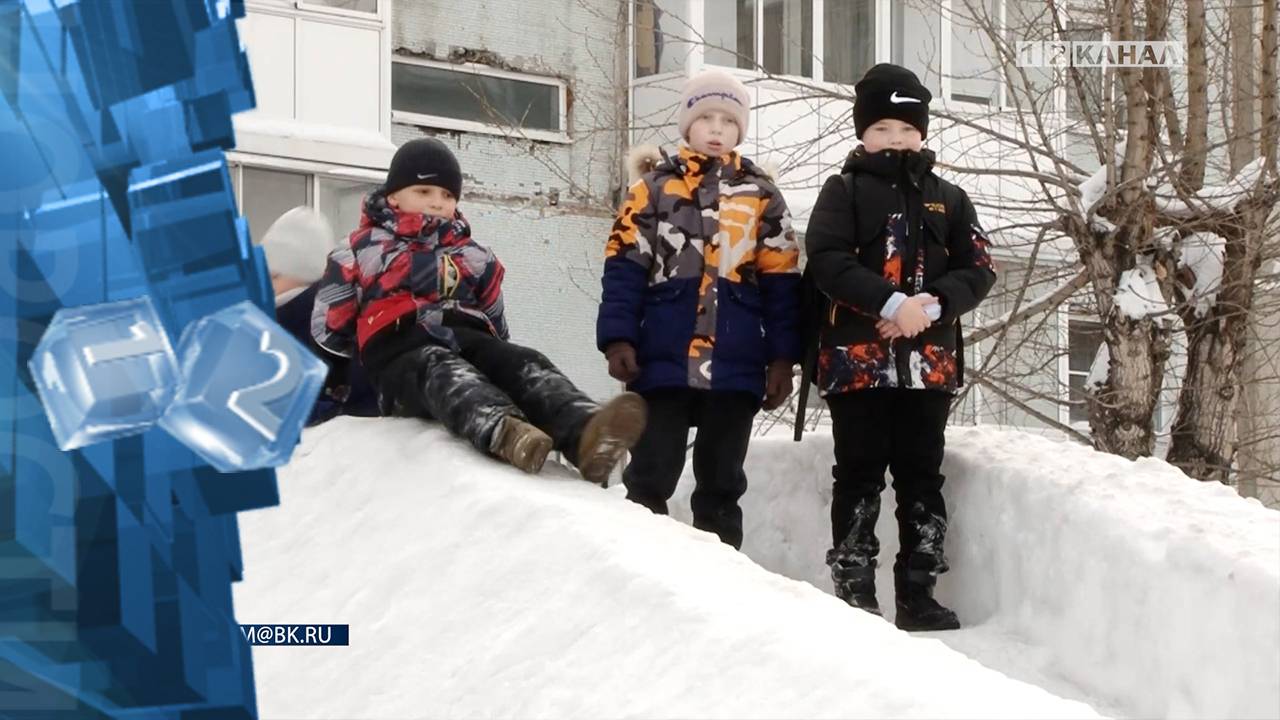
x: 1065, y: 373
x: 324, y: 13
x: 314, y: 172
x: 317, y: 7
x: 883, y: 53
x: 407, y: 117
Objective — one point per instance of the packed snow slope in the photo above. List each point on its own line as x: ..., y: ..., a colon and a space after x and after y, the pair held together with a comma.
x: 1124, y: 584
x: 472, y: 590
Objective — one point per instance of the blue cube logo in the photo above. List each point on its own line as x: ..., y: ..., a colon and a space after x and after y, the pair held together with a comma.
x: 104, y: 371
x: 247, y: 388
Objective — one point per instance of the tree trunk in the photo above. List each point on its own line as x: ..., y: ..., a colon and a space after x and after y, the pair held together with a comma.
x: 1121, y: 412
x: 1192, y: 175
x: 1243, y: 144
x: 1258, y: 415
x: 1205, y: 427
x: 1267, y: 83
x: 1204, y: 430
x: 1258, y: 418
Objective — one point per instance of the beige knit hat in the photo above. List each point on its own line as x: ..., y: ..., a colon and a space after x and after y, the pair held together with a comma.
x: 714, y: 90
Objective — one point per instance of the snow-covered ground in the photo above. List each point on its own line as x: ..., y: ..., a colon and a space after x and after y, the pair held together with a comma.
x: 473, y: 590
x: 1123, y: 584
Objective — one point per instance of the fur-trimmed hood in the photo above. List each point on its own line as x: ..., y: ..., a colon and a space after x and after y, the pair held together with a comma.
x: 644, y: 159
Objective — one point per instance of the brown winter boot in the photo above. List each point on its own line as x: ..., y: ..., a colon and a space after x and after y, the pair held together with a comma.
x: 612, y: 430
x: 521, y: 444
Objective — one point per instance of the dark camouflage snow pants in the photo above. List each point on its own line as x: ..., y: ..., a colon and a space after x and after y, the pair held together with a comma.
x: 902, y: 430
x: 470, y: 390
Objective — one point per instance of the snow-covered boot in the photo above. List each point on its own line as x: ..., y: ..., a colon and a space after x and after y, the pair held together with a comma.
x: 612, y: 430
x: 855, y: 585
x: 917, y: 610
x: 521, y: 444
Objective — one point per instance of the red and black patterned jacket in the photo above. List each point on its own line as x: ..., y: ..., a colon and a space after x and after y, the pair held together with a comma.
x: 911, y: 232
x: 406, y: 276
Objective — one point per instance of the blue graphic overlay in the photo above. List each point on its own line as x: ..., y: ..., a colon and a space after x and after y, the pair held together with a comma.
x: 248, y: 387
x: 119, y: 555
x: 104, y: 371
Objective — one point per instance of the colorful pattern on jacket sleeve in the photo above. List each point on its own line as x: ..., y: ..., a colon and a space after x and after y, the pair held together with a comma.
x: 971, y: 272
x: 628, y: 238
x: 628, y: 258
x: 333, y: 319
x: 490, y: 295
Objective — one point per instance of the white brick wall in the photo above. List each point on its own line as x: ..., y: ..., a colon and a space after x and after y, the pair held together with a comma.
x: 553, y: 254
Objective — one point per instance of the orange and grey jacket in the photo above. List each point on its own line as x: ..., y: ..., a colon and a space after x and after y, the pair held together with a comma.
x: 701, y: 275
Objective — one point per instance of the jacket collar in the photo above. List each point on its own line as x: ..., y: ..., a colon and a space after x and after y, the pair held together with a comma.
x: 693, y: 166
x: 891, y: 164
x: 430, y: 229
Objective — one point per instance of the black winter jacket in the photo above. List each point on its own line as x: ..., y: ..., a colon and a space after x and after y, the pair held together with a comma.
x: 911, y: 232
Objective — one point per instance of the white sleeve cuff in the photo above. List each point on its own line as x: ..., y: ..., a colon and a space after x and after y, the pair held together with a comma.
x: 892, y: 304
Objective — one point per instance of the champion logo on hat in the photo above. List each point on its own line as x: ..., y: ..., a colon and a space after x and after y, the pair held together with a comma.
x: 899, y: 99
x: 704, y: 96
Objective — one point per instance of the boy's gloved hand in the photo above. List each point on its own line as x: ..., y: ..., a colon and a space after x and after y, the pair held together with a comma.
x: 910, y: 319
x: 778, y: 384
x: 622, y: 361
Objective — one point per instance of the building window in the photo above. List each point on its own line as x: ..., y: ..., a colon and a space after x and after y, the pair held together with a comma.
x: 975, y: 64
x: 848, y: 40
x: 916, y: 41
x: 263, y: 194
x: 663, y: 37
x: 729, y: 32
x: 1088, y: 98
x: 267, y: 194
x: 1084, y: 338
x: 341, y: 202
x: 787, y: 41
x: 477, y: 98
x: 357, y: 7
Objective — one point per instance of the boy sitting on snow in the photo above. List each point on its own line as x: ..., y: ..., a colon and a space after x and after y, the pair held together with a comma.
x: 901, y: 256
x: 421, y: 303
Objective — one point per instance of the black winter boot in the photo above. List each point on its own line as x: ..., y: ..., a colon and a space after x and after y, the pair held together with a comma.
x: 917, y: 610
x: 855, y: 585
x: 853, y: 559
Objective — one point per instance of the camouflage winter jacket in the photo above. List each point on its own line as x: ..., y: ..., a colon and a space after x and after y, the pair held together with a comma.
x: 701, y: 275
x: 406, y: 275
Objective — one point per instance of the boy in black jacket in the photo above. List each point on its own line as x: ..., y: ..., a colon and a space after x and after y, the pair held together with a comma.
x: 888, y: 358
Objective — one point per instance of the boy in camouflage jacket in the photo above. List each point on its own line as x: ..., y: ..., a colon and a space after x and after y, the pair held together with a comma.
x: 700, y: 308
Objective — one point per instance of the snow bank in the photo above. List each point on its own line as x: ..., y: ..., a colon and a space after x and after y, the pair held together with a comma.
x: 474, y: 591
x: 1123, y: 583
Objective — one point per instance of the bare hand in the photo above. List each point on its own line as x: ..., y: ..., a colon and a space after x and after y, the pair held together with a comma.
x: 911, y: 318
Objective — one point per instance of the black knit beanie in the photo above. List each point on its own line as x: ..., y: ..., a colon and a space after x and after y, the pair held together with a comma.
x: 425, y: 161
x: 891, y: 91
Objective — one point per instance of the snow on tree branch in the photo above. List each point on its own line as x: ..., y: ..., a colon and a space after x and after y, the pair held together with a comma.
x: 1214, y: 198
x: 1202, y: 255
